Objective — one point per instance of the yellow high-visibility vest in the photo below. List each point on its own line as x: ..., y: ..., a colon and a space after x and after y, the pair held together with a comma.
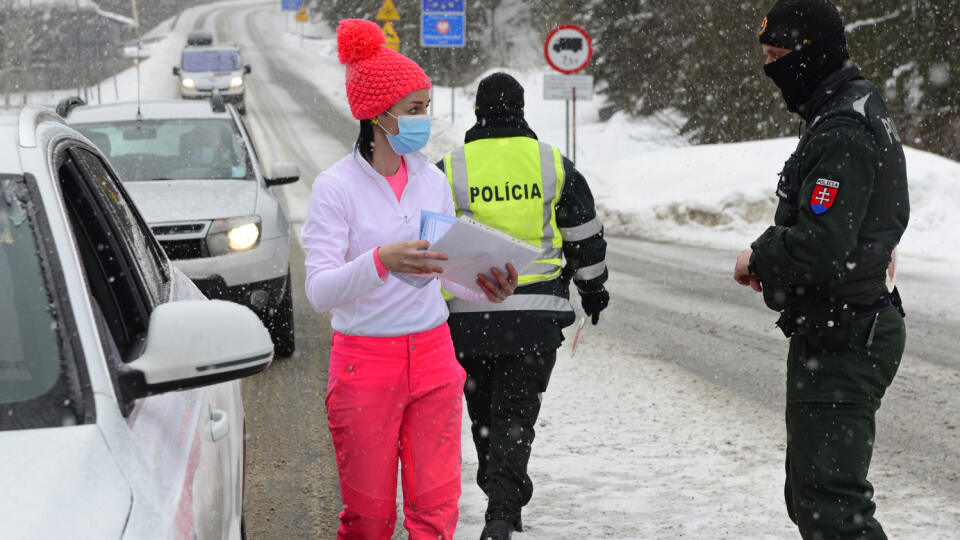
x: 512, y: 184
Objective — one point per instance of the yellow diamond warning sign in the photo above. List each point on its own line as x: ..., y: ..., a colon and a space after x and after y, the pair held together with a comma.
x: 390, y: 33
x: 302, y: 16
x: 388, y: 12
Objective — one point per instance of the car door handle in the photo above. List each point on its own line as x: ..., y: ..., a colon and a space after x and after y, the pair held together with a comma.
x: 219, y: 424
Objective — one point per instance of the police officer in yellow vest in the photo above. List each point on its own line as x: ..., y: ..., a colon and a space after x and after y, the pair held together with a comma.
x: 504, y: 177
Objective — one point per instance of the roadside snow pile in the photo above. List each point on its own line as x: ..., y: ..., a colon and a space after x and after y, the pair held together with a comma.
x: 723, y: 195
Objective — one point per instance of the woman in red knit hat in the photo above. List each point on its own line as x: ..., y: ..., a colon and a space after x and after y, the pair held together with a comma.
x: 395, y: 387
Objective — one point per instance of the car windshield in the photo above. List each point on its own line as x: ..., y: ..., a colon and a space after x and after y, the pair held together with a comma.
x: 175, y: 149
x: 211, y: 61
x: 38, y: 382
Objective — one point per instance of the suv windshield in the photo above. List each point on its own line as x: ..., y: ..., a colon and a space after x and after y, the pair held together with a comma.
x: 211, y: 61
x: 38, y: 380
x: 175, y: 149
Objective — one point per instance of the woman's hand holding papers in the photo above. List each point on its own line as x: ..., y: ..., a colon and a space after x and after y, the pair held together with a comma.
x: 410, y: 257
x: 504, y: 286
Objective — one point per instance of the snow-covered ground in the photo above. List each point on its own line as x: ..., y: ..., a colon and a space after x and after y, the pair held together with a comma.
x: 633, y: 447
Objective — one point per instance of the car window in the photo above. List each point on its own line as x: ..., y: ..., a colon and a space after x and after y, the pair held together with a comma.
x: 138, y: 238
x: 42, y: 372
x: 113, y: 276
x: 175, y: 149
x: 211, y: 60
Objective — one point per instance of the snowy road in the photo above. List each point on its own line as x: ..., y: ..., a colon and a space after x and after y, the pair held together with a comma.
x: 668, y: 421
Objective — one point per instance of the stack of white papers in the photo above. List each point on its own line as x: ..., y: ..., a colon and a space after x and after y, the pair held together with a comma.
x: 472, y: 247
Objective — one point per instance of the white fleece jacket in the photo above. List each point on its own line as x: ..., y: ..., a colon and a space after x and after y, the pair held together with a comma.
x: 353, y: 211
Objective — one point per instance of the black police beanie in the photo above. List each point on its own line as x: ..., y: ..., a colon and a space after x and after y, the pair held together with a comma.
x: 499, y: 96
x: 791, y: 24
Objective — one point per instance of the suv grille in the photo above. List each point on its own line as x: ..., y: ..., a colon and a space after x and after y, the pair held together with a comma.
x: 181, y: 228
x: 185, y: 249
x: 187, y: 240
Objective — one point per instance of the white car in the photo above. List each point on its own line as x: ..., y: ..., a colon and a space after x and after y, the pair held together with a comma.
x: 205, y: 68
x: 120, y: 408
x: 194, y: 173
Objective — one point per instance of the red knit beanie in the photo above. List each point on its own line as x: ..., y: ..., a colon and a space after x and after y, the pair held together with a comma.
x: 377, y: 76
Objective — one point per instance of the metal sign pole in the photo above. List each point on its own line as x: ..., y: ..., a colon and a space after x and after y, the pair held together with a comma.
x: 453, y: 101
x: 566, y: 125
x: 574, y: 125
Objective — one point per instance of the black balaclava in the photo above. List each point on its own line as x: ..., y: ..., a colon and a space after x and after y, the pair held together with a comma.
x: 813, y: 30
x: 499, y: 96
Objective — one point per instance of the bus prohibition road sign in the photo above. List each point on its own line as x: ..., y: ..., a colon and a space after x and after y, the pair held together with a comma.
x: 568, y: 49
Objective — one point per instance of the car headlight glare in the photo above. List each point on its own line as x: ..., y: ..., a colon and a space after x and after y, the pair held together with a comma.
x: 243, y: 237
x: 188, y: 83
x: 236, y: 81
x: 233, y: 234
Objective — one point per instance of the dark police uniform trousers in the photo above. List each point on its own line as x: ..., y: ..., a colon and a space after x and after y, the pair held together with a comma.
x: 832, y: 398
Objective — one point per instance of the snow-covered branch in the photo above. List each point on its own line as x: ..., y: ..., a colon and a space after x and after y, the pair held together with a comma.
x: 873, y: 21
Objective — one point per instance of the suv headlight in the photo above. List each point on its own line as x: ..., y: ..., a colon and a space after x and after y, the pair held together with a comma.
x: 236, y: 81
x: 188, y: 83
x: 233, y: 234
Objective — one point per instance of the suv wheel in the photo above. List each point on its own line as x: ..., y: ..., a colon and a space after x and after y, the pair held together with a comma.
x: 280, y: 324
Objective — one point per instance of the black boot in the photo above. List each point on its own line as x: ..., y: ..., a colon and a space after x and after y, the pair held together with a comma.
x: 497, y: 529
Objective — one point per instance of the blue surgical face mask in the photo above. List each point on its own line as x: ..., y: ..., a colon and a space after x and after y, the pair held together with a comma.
x: 412, y: 135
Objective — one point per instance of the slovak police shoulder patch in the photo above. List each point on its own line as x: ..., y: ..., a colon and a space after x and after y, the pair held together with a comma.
x: 824, y: 195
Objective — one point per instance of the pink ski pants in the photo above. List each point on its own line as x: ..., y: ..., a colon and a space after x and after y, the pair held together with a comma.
x: 389, y: 398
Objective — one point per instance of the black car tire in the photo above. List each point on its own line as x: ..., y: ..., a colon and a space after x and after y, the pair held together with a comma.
x: 281, y: 326
x: 242, y: 107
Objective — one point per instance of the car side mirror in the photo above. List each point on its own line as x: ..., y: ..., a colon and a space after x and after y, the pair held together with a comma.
x: 246, y: 68
x: 176, y: 70
x: 196, y: 343
x: 283, y: 173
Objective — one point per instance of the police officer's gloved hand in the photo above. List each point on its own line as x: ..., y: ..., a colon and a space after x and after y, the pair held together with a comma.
x: 594, y: 302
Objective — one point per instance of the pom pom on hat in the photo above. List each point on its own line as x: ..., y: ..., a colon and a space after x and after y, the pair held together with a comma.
x: 358, y: 39
x: 377, y: 76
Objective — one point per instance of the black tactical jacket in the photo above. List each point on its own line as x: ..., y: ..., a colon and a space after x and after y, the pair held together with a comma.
x: 843, y: 200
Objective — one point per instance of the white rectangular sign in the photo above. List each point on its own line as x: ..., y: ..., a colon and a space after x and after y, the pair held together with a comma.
x: 557, y: 86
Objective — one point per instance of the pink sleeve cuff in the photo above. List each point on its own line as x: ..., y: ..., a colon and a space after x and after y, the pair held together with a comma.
x: 381, y: 269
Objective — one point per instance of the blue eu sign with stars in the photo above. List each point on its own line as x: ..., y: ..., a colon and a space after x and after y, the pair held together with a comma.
x: 443, y: 23
x: 443, y: 6
x: 442, y: 30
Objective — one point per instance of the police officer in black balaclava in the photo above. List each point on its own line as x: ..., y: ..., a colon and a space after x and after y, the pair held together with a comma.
x: 843, y: 207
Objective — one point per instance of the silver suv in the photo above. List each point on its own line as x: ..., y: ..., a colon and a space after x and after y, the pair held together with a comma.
x: 207, y: 68
x: 193, y: 171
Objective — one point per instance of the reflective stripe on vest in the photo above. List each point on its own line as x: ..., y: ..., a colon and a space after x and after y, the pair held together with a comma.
x: 516, y: 302
x: 512, y: 184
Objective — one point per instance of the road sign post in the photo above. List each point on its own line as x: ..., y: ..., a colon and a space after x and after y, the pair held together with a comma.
x: 302, y: 19
x: 289, y: 5
x: 443, y: 23
x: 568, y: 49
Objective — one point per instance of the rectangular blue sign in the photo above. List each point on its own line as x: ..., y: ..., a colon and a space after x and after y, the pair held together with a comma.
x: 292, y: 5
x: 442, y: 30
x: 443, y: 6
